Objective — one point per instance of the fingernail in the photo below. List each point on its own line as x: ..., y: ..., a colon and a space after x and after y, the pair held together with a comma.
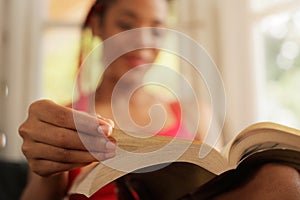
x: 105, y: 130
x: 109, y: 121
x: 110, y: 129
x: 100, y: 130
x: 110, y: 145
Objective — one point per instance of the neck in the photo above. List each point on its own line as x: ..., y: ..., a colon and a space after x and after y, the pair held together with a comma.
x: 104, y: 92
x: 108, y: 85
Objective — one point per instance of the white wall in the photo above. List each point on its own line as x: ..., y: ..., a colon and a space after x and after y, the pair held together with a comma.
x: 223, y: 27
x: 240, y: 75
x: 20, y: 56
x: 199, y: 20
x: 2, y: 83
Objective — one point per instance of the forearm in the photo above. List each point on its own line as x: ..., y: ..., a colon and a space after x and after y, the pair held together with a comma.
x: 45, y: 188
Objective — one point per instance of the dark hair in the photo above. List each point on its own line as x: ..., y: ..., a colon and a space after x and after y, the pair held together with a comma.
x: 98, y: 9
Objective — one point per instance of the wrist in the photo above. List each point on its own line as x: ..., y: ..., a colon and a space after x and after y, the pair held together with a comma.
x: 52, y: 187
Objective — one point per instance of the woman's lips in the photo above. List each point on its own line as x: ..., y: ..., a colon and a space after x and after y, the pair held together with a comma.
x: 135, y: 61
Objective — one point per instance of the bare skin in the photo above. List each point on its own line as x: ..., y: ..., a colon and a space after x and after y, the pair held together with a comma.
x: 272, y: 181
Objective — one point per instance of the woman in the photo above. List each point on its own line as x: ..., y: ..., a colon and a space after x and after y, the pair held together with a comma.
x: 53, y: 154
x: 51, y: 143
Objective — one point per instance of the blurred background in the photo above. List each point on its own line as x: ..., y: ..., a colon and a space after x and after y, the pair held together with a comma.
x: 255, y: 45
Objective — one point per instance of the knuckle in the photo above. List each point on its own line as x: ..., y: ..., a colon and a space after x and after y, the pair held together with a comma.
x: 23, y: 130
x: 28, y: 150
x: 42, y: 102
x: 35, y: 106
x: 25, y: 149
x: 26, y: 129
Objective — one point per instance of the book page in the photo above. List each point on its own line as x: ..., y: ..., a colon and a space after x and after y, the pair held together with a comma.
x: 261, y: 136
x: 146, y: 154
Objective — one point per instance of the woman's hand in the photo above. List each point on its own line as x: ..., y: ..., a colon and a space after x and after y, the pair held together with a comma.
x: 52, y: 143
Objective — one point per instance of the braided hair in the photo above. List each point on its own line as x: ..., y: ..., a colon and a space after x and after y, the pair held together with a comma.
x: 88, y: 42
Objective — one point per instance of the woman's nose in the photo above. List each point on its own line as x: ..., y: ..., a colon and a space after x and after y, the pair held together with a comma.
x: 145, y: 38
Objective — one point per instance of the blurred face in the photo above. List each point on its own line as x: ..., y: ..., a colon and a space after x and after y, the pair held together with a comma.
x: 123, y: 15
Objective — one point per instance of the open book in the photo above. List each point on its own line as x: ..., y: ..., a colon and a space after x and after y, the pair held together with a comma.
x: 168, y: 168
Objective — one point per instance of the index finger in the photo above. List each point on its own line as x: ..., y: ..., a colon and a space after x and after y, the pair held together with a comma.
x: 64, y: 117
